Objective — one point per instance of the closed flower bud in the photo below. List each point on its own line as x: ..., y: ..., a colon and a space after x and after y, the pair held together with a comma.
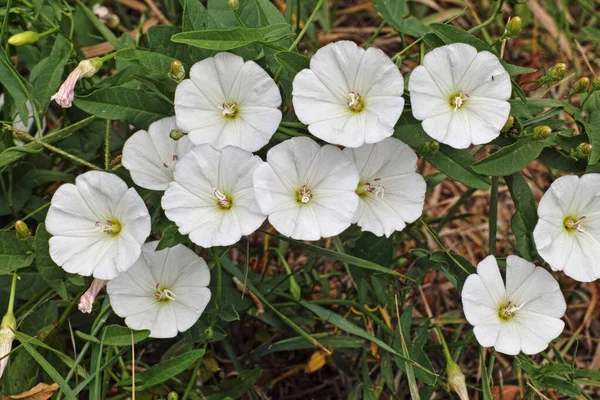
x: 456, y: 380
x: 66, y: 92
x: 582, y: 151
x: 113, y: 21
x: 555, y: 73
x: 581, y: 86
x: 22, y: 230
x: 7, y: 335
x: 23, y: 38
x: 432, y: 146
x: 176, y: 71
x: 596, y: 84
x: 176, y: 134
x: 542, y: 132
x: 233, y: 4
x: 508, y: 124
x: 514, y: 26
x: 173, y: 396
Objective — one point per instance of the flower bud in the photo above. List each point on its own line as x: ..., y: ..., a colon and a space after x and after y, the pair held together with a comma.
x: 113, y: 21
x: 172, y: 396
x: 596, y: 84
x: 542, y: 132
x: 581, y: 86
x: 176, y: 134
x: 582, y: 151
x: 86, y: 301
x: 66, y: 92
x: 22, y: 230
x: 7, y: 335
x: 555, y: 73
x: 233, y: 4
x: 431, y: 146
x: 508, y: 124
x: 456, y: 380
x: 514, y: 26
x: 90, y: 66
x: 23, y: 38
x: 176, y: 71
x: 208, y: 333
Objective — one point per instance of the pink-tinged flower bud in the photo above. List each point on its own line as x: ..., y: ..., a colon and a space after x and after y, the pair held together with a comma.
x: 87, y: 300
x: 66, y: 92
x: 101, y: 12
x: 7, y: 335
x: 456, y: 380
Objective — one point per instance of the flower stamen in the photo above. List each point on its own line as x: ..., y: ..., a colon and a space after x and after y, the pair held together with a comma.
x: 457, y: 100
x: 369, y: 187
x: 109, y: 227
x: 572, y: 224
x: 355, y: 102
x: 222, y: 201
x: 509, y: 310
x: 164, y: 294
x: 304, y: 195
x: 229, y: 110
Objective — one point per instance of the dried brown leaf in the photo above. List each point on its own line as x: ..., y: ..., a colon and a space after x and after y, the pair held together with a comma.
x: 41, y: 391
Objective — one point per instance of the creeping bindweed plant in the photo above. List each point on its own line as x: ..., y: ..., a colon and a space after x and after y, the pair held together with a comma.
x: 299, y: 199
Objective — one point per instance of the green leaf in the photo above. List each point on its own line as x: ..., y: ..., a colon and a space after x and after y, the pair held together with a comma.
x: 593, y: 131
x: 153, y: 63
x: 88, y: 338
x: 228, y: 39
x: 511, y: 159
x: 103, y: 29
x: 50, y: 370
x: 228, y: 313
x: 450, y: 34
x: 292, y: 62
x: 452, y: 162
x: 117, y: 335
x: 349, y: 327
x: 13, y: 154
x: 14, y: 253
x: 170, y: 238
x: 514, y: 70
x: 46, y: 76
x: 299, y: 343
x: 236, y: 388
x: 523, y: 199
x: 196, y: 17
x: 51, y: 273
x: 164, y: 370
x: 341, y: 256
x: 138, y: 107
x: 12, y: 83
x: 394, y: 13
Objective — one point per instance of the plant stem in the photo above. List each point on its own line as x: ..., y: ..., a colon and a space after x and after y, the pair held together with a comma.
x: 493, y: 215
x: 13, y: 291
x: 490, y: 19
x: 375, y: 35
x: 289, y: 132
x: 107, y: 146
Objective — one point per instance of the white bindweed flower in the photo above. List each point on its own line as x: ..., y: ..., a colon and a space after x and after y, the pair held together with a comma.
x: 165, y: 291
x: 460, y: 95
x: 307, y: 191
x: 211, y: 198
x: 228, y: 101
x: 349, y: 96
x: 66, y: 91
x: 150, y: 156
x: 86, y: 301
x: 7, y: 335
x: 567, y: 234
x: 98, y: 225
x: 523, y: 316
x: 391, y: 193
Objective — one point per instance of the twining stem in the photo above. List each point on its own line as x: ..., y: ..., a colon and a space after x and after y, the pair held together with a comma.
x: 493, y: 218
x: 301, y: 34
x: 26, y: 136
x: 488, y: 21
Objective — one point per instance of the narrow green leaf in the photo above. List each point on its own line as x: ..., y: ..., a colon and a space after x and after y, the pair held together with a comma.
x: 450, y: 34
x: 511, y: 159
x: 236, y: 388
x: 292, y: 62
x: 14, y: 253
x: 163, y: 371
x: 88, y: 338
x: 51, y: 273
x: 170, y: 238
x: 153, y: 63
x: 103, y: 29
x: 138, y: 107
x: 16, y: 86
x: 299, y: 343
x: 46, y: 76
x: 117, y: 335
x: 396, y: 13
x: 228, y: 39
x: 593, y: 131
x: 53, y: 373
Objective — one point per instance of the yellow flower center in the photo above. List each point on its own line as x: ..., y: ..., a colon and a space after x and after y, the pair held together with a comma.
x: 457, y: 100
x: 365, y: 188
x: 507, y: 311
x: 573, y: 224
x: 223, y: 202
x: 164, y: 294
x: 110, y: 227
x: 355, y: 102
x: 229, y: 110
x: 304, y: 195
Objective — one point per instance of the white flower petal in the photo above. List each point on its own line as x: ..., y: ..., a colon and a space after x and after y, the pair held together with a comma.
x: 226, y: 80
x: 448, y: 64
x: 509, y: 339
x: 487, y: 333
x: 478, y: 305
x: 150, y: 156
x: 486, y: 77
x: 537, y: 330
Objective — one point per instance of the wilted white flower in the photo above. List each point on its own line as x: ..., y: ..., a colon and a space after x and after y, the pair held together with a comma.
x: 66, y: 92
x: 228, y: 101
x: 460, y: 95
x: 391, y: 193
x: 523, y: 316
x: 86, y: 301
x: 307, y: 191
x: 7, y: 335
x: 99, y: 225
x: 349, y: 96
x: 211, y: 198
x: 567, y: 234
x: 150, y: 156
x: 165, y: 291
